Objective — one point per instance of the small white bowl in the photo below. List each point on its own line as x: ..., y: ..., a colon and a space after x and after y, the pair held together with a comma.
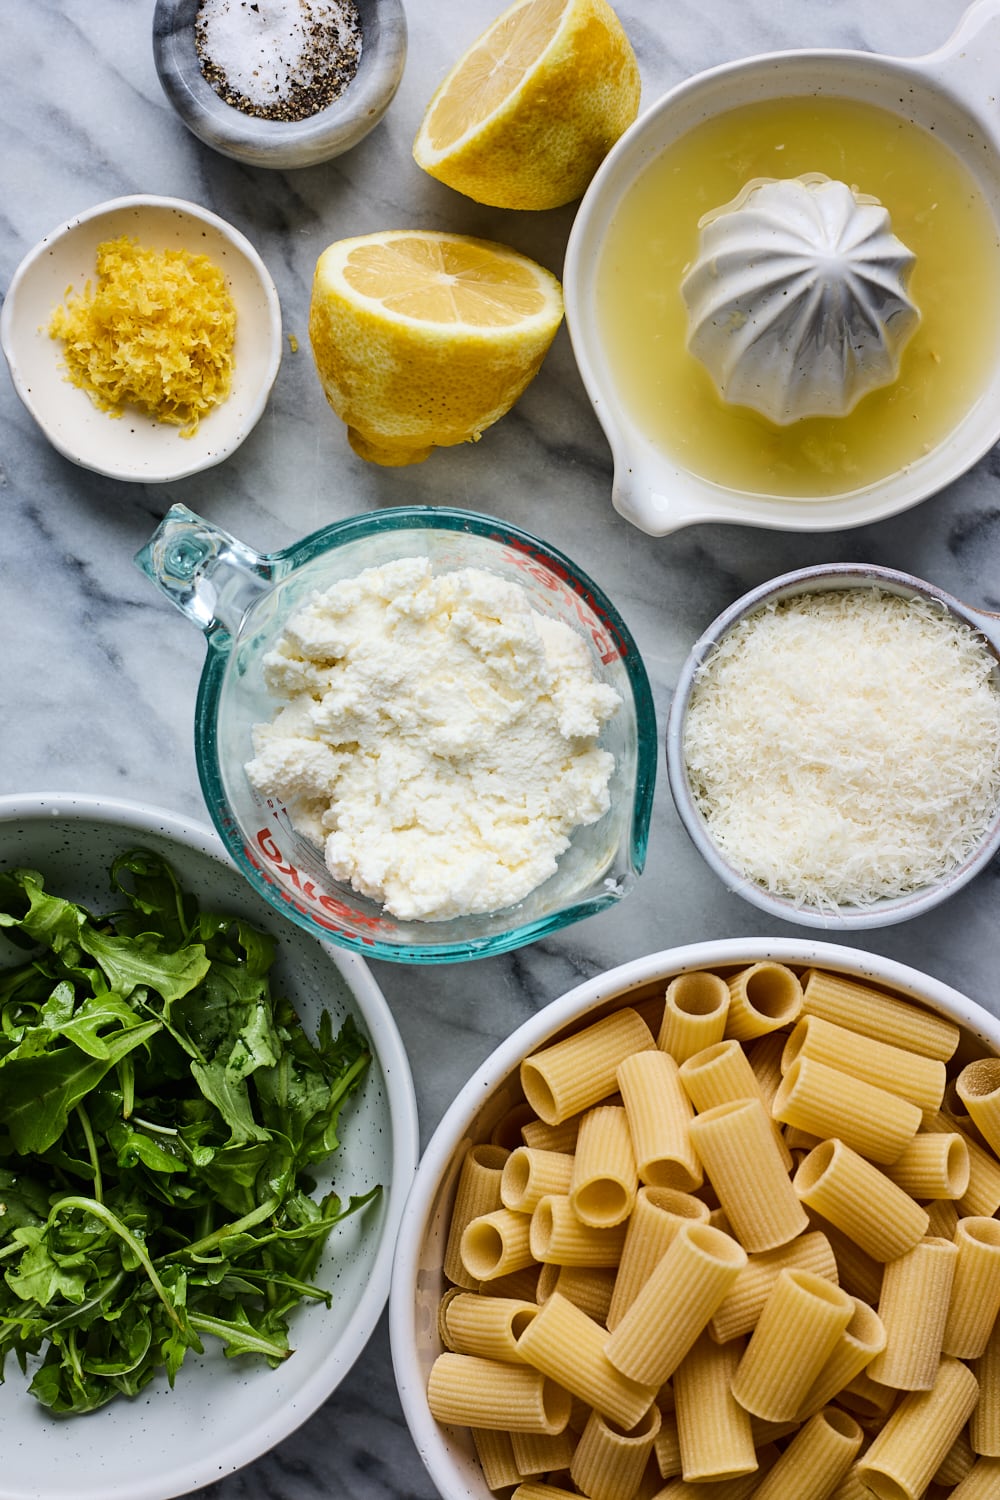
x: 221, y: 1413
x: 418, y: 1281
x: 847, y: 919
x: 136, y: 446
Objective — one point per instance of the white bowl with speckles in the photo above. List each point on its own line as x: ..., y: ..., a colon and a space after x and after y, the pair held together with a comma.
x: 221, y: 1414
x: 494, y: 1091
x: 135, y: 446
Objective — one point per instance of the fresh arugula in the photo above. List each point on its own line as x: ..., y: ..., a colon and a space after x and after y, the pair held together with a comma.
x: 161, y: 1116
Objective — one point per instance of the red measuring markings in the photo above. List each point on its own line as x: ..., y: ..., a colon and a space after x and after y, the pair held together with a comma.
x: 558, y: 580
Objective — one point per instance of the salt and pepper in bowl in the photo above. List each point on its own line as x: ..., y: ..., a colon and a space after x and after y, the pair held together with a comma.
x: 261, y: 83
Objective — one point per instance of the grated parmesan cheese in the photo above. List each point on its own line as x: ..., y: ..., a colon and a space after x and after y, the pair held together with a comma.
x: 157, y: 332
x: 844, y: 747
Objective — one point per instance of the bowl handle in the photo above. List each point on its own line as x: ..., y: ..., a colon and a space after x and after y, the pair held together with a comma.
x: 966, y: 63
x: 210, y: 576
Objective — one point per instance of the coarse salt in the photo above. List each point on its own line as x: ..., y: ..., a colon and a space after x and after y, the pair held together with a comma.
x: 268, y: 52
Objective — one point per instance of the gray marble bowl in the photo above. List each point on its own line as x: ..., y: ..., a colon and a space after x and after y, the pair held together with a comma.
x: 278, y: 143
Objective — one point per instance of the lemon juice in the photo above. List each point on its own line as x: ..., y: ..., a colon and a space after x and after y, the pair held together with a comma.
x: 936, y: 209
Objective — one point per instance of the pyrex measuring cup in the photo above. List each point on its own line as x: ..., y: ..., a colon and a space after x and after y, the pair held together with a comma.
x: 881, y: 913
x: 242, y: 600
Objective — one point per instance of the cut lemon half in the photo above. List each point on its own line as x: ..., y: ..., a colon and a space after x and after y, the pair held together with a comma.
x: 525, y: 118
x: 422, y: 339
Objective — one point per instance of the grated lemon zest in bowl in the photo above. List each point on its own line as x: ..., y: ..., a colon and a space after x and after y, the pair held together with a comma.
x: 157, y: 332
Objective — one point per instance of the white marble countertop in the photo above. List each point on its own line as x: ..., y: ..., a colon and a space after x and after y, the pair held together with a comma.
x: 98, y: 675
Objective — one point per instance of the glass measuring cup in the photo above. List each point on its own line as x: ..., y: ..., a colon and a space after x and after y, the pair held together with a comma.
x: 881, y: 913
x: 242, y: 600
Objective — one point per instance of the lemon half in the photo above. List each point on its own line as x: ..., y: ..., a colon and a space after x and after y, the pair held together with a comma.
x: 525, y: 118
x: 422, y: 339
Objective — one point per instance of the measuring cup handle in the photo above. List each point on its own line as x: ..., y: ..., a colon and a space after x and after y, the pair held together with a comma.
x: 209, y: 575
x: 967, y: 62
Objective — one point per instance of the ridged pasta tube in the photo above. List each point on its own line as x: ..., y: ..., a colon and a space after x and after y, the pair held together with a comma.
x: 694, y: 1014
x: 919, y: 1079
x: 675, y: 1304
x: 860, y: 1200
x: 568, y: 1347
x: 714, y: 1431
x: 580, y: 1071
x: 796, y: 1333
x: 608, y: 1464
x: 829, y: 1103
x: 916, y: 1290
x: 762, y: 997
x: 477, y: 1192
x: 736, y: 1144
x: 908, y: 1450
x: 862, y: 1008
x: 744, y: 1304
x: 657, y: 1219
x: 975, y: 1296
x: 472, y: 1392
x: 659, y: 1113
x: 816, y: 1459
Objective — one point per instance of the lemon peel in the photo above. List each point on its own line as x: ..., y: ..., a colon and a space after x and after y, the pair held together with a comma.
x: 528, y: 113
x: 423, y: 339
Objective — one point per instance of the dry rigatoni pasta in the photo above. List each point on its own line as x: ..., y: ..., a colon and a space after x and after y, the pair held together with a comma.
x: 908, y: 1450
x: 558, y: 1236
x: 474, y: 1392
x: 673, y: 1401
x: 763, y: 997
x: 738, y: 1150
x: 694, y: 1014
x: 934, y: 1165
x: 658, y: 1216
x: 542, y: 1452
x: 722, y: 1074
x: 496, y: 1244
x: 588, y: 1287
x: 975, y: 1296
x: 580, y: 1071
x: 608, y: 1464
x: 478, y: 1192
x: 795, y: 1335
x: 984, y: 1427
x: 569, y: 1347
x: 529, y: 1175
x: 604, y: 1181
x: 978, y: 1087
x: 675, y: 1304
x: 957, y: 1461
x: 859, y: 1343
x: 714, y: 1431
x: 816, y: 1459
x: 919, y: 1079
x: 495, y: 1452
x: 743, y: 1305
x: 830, y: 1104
x: 860, y: 1200
x: 916, y: 1291
x: 981, y: 1483
x: 659, y: 1114
x: 873, y: 1013
x: 487, y: 1326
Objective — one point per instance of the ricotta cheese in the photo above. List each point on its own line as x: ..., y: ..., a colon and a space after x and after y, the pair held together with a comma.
x: 845, y: 746
x: 437, y: 739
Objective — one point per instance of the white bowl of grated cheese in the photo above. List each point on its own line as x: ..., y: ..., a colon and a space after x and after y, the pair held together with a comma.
x: 833, y: 746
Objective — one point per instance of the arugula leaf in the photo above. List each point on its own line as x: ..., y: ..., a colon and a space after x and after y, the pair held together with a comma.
x: 161, y: 1114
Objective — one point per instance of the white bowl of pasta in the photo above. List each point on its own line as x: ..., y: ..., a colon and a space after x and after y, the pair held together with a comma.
x: 724, y: 1211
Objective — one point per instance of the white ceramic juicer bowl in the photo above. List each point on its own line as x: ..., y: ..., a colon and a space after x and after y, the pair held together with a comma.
x: 951, y: 92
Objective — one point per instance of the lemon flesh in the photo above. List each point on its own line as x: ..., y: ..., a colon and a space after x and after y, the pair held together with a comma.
x: 422, y: 339
x: 527, y: 115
